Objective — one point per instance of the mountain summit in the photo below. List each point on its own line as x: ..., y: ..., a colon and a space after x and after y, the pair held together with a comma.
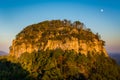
x: 54, y: 34
x: 58, y: 50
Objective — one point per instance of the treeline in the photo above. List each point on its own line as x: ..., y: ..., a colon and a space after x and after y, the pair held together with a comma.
x: 58, y: 65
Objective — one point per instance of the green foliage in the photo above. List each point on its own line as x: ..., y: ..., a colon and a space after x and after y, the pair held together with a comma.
x: 12, y: 71
x: 104, y: 69
x: 58, y: 64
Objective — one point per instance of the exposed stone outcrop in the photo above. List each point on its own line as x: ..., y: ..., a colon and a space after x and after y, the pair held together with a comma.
x: 80, y: 46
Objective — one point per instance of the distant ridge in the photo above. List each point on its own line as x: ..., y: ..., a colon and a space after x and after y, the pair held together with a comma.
x: 3, y: 53
x: 115, y: 56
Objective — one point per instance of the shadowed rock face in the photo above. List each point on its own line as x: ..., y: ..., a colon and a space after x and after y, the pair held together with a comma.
x: 49, y: 35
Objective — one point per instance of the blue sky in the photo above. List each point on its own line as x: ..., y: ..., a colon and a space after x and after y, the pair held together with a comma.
x: 17, y: 14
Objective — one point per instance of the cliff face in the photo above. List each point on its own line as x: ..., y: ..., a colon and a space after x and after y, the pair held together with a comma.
x: 50, y: 35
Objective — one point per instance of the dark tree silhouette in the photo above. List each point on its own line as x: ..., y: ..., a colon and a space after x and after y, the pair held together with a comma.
x: 12, y: 71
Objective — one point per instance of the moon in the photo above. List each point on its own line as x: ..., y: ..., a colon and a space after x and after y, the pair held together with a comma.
x: 101, y: 10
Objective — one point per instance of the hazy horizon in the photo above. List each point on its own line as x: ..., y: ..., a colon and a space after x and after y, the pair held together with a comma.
x: 100, y: 16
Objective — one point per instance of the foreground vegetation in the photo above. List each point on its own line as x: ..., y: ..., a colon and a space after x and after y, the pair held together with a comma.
x: 58, y: 65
